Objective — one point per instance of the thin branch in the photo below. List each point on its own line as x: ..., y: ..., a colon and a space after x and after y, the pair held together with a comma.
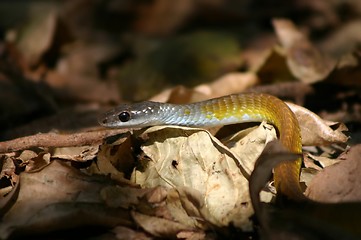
x: 58, y: 140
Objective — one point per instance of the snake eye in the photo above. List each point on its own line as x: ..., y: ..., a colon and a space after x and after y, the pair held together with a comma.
x: 124, y: 116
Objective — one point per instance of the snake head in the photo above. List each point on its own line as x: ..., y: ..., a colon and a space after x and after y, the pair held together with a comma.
x: 134, y: 115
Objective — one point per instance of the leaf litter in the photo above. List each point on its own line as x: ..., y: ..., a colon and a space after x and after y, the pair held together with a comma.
x: 173, y: 182
x: 189, y: 158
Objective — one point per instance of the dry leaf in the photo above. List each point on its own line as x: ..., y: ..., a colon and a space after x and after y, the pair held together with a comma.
x: 84, y: 58
x: 177, y: 154
x: 158, y: 227
x: 228, y: 84
x: 32, y: 161
x: 185, y: 205
x: 193, y: 235
x: 7, y: 165
x: 105, y: 167
x: 340, y: 182
x: 59, y: 197
x: 162, y: 17
x: 125, y: 197
x: 179, y: 95
x: 323, y: 161
x: 77, y: 73
x: 82, y: 88
x: 115, y: 159
x: 309, y: 219
x: 273, y: 68
x: 124, y: 233
x: 7, y: 174
x: 248, y: 144
x: 37, y: 163
x: 307, y: 174
x: 27, y: 155
x: 188, y: 158
x: 347, y: 72
x: 79, y: 154
x: 40, y: 34
x: 156, y: 202
x: 192, y: 158
x: 303, y: 59
x: 343, y: 40
x: 316, y: 131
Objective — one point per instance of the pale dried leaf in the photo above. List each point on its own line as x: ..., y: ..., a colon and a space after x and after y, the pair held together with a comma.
x: 307, y: 174
x: 8, y: 167
x: 157, y: 195
x: 169, y: 206
x: 79, y: 154
x: 192, y: 158
x: 316, y: 131
x: 192, y: 235
x: 115, y: 159
x: 248, y: 144
x: 187, y: 207
x: 153, y: 203
x: 340, y: 182
x: 158, y: 202
x: 27, y: 155
x: 287, y: 32
x: 309, y: 162
x: 158, y: 227
x: 33, y: 161
x: 303, y: 59
x: 180, y: 209
x: 37, y: 163
x: 104, y: 166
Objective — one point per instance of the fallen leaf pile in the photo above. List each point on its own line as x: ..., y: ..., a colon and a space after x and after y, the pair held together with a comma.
x: 62, y: 175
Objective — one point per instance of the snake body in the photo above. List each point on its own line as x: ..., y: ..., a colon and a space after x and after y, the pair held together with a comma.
x: 231, y: 109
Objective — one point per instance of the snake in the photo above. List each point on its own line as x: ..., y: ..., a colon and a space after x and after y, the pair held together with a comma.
x: 231, y: 109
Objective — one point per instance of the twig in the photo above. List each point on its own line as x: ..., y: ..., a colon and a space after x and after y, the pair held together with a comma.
x: 58, y: 140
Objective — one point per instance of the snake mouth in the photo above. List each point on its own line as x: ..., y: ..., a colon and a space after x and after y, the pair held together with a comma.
x: 103, y: 121
x: 106, y: 119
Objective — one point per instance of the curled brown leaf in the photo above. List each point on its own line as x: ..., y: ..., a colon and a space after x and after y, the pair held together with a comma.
x: 340, y: 182
x: 315, y: 130
x: 303, y: 59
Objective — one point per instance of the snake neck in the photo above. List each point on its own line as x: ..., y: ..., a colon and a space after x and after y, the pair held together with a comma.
x: 182, y: 115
